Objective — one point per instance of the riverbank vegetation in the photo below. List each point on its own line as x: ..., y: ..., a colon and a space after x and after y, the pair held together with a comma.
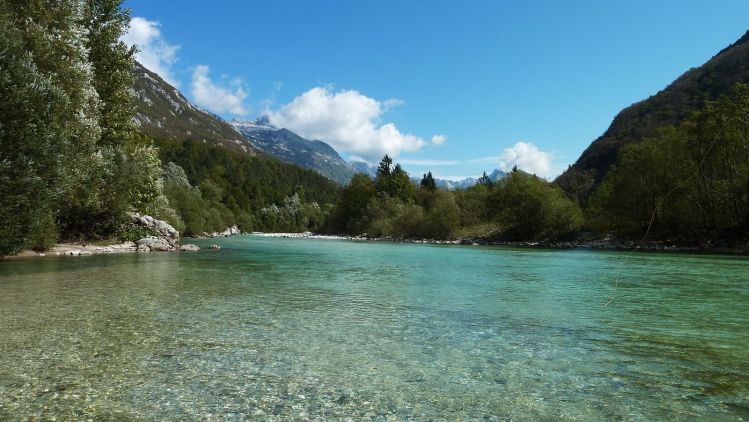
x: 72, y: 160
x: 520, y: 206
x: 73, y: 163
x: 689, y: 182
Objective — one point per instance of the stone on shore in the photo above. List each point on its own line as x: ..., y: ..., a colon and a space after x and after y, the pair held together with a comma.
x: 155, y: 243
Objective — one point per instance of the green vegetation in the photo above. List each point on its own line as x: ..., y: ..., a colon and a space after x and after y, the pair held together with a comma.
x: 212, y: 187
x: 689, y: 93
x: 72, y: 162
x: 692, y: 179
x: 518, y: 207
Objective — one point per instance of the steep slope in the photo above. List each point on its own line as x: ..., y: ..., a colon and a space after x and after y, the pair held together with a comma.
x: 163, y: 112
x: 288, y: 146
x: 671, y: 106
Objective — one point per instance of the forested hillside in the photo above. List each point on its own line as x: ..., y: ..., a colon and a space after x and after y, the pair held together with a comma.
x: 688, y: 94
x: 73, y: 162
x: 688, y: 182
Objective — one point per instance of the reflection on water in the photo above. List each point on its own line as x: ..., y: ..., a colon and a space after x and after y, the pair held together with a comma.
x: 306, y: 329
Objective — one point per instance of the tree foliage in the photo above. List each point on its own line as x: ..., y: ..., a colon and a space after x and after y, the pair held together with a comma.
x: 74, y: 162
x: 521, y: 207
x: 692, y: 180
x: 212, y: 187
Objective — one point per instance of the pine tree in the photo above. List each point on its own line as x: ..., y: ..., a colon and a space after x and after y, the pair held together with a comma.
x: 428, y: 182
x: 484, y: 180
x: 384, y: 170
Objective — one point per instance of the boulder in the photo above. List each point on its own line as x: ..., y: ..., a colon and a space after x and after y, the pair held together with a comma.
x: 155, y: 243
x: 216, y: 247
x: 189, y: 248
x: 165, y: 229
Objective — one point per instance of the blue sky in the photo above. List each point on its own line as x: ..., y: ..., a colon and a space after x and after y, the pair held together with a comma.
x: 456, y: 87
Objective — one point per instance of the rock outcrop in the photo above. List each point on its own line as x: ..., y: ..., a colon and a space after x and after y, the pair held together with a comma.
x: 165, y: 238
x: 230, y: 231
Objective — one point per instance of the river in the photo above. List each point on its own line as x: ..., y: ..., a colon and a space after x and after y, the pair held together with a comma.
x: 295, y: 329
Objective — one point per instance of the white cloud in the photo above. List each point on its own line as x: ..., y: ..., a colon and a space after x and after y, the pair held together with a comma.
x: 228, y: 98
x: 154, y: 52
x: 348, y: 121
x: 429, y: 162
x: 528, y: 157
x: 439, y: 139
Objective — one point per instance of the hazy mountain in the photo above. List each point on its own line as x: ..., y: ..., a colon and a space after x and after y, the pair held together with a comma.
x: 364, y: 168
x: 671, y: 106
x: 463, y: 183
x: 288, y: 146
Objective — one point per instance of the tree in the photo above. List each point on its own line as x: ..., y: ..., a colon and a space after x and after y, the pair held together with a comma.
x: 690, y: 181
x: 384, y: 168
x: 31, y: 141
x: 428, y: 183
x: 533, y: 209
x: 484, y: 180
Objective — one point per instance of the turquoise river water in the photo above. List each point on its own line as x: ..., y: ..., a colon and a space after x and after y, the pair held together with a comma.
x: 289, y: 329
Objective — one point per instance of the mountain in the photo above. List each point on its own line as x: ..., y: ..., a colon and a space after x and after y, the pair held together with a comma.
x: 364, y: 168
x: 463, y: 183
x: 687, y: 94
x: 288, y: 146
x: 163, y: 112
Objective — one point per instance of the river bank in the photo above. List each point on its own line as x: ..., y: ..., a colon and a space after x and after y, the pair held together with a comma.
x: 584, y: 242
x: 152, y: 235
x: 605, y: 243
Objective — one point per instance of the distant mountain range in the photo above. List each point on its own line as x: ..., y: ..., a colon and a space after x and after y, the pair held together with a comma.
x: 288, y: 146
x: 463, y: 183
x: 163, y: 112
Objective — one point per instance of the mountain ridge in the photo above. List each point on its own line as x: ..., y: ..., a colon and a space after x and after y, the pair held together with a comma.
x: 288, y: 146
x: 162, y: 111
x: 670, y: 106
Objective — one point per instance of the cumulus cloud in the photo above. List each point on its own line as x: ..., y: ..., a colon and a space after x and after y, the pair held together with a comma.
x: 154, y: 52
x: 225, y: 98
x: 528, y: 157
x: 348, y: 121
x: 439, y: 139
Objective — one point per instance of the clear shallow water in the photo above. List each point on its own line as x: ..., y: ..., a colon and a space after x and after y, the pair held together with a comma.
x: 316, y: 329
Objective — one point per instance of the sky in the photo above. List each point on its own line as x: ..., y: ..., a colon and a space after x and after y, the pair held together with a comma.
x: 455, y: 87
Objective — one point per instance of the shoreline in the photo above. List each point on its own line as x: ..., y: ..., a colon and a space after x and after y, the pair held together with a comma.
x: 598, y: 244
